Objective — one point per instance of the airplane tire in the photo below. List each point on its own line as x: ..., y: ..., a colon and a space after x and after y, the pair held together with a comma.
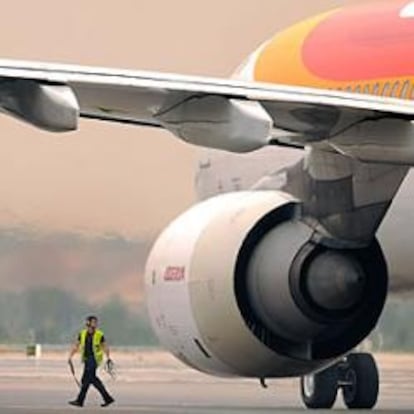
x: 319, y: 390
x: 363, y: 376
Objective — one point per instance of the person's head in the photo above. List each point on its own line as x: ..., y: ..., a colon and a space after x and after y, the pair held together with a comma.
x: 91, y: 322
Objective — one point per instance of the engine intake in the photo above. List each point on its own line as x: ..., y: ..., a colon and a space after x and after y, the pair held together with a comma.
x: 326, y: 305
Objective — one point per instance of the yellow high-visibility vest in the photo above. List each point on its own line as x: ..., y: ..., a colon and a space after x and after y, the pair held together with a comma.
x: 98, y: 352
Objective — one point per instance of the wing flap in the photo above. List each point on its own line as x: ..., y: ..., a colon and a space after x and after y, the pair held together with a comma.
x: 316, y: 122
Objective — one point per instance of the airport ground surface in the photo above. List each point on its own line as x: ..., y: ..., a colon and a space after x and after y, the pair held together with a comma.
x: 153, y: 382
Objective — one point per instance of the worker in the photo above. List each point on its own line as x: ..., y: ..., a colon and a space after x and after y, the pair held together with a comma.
x: 92, y: 345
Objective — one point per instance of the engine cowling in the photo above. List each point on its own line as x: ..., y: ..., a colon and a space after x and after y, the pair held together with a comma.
x: 236, y: 286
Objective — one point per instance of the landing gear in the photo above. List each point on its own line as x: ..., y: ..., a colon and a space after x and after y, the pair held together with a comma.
x: 319, y: 390
x: 360, y: 381
x: 356, y: 375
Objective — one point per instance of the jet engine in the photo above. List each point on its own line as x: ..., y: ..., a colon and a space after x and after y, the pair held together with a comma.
x: 239, y: 286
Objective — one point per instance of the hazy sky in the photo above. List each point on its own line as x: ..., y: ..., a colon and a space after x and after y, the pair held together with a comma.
x: 108, y: 178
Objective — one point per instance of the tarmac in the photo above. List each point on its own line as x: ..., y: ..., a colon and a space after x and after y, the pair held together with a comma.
x: 154, y: 382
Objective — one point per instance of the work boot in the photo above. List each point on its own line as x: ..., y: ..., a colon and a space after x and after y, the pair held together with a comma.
x: 76, y: 403
x: 107, y: 402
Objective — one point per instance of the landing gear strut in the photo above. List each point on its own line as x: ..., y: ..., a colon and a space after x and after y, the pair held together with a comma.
x: 356, y: 375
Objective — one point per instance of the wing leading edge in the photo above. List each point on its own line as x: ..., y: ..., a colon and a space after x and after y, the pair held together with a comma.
x: 225, y: 114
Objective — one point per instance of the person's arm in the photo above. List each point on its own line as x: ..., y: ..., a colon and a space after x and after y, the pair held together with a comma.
x: 74, y: 349
x: 105, y: 348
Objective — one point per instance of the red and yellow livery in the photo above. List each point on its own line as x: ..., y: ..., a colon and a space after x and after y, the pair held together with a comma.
x: 368, y: 48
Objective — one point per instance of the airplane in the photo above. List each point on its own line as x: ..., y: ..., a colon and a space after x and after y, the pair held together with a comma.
x: 279, y: 273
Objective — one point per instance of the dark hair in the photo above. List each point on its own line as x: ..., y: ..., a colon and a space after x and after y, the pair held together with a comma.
x: 92, y: 318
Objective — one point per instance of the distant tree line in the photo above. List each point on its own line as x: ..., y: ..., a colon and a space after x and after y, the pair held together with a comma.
x: 54, y: 316
x: 395, y: 331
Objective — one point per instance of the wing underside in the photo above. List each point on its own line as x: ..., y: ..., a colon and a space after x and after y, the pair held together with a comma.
x: 226, y: 114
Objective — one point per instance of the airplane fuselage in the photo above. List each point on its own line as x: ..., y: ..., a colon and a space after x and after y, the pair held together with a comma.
x: 365, y: 50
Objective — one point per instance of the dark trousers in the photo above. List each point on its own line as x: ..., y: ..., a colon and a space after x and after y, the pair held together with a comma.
x: 89, y: 378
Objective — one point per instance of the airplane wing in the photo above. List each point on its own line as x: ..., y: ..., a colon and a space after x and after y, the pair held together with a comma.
x: 226, y: 114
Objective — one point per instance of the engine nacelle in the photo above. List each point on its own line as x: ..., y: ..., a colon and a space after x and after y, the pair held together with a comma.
x: 236, y: 286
